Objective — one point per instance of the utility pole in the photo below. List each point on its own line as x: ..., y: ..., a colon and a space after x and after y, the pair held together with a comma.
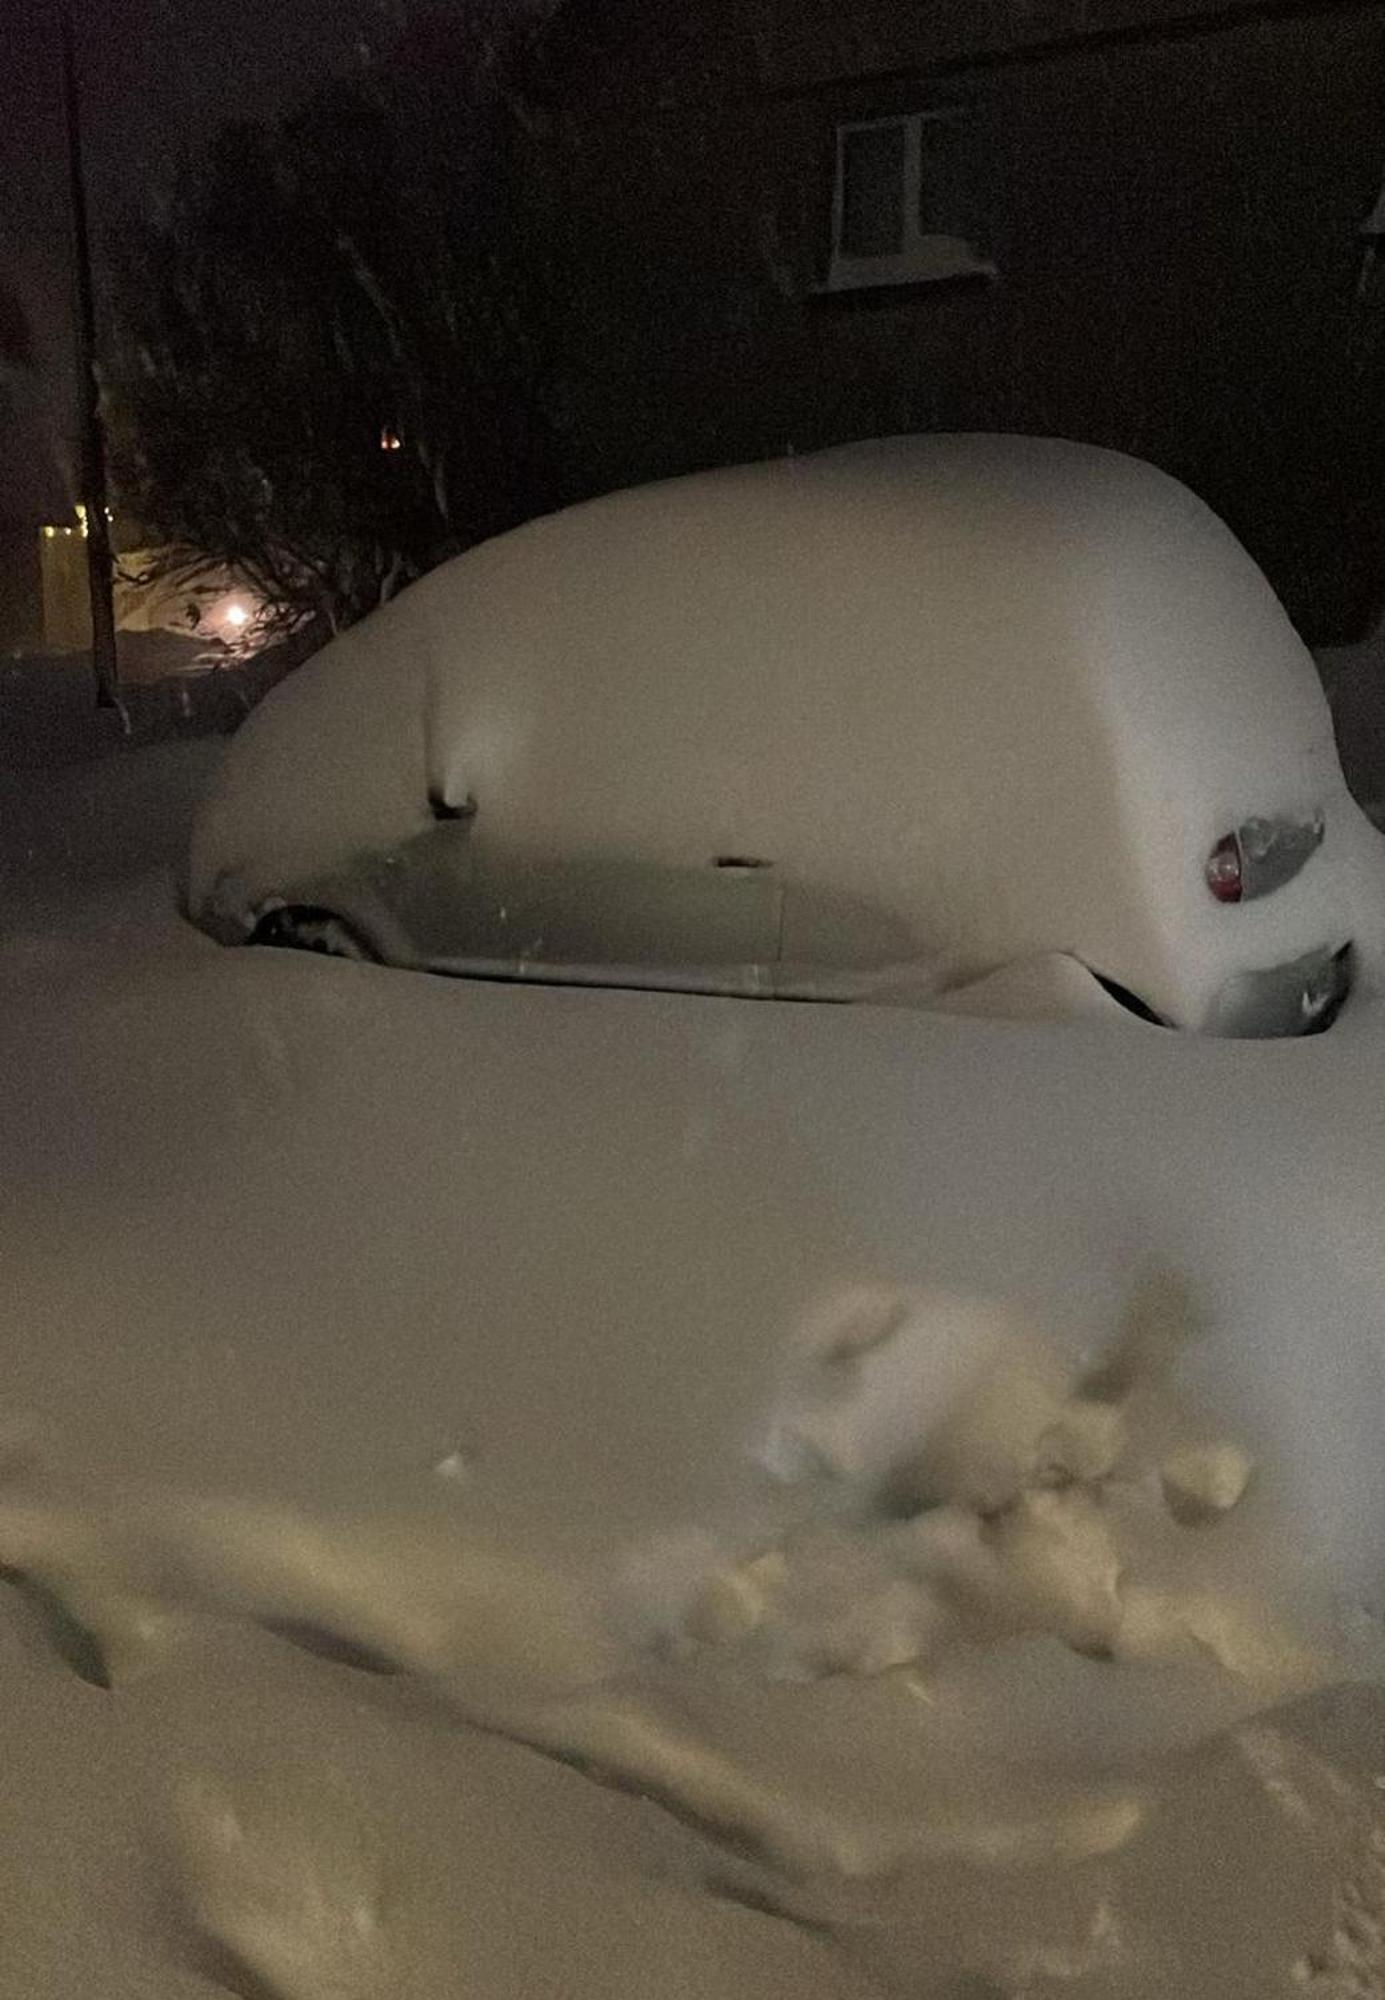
x: 93, y: 443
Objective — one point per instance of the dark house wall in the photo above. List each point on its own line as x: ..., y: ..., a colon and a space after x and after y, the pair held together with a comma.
x: 21, y: 587
x: 1173, y: 207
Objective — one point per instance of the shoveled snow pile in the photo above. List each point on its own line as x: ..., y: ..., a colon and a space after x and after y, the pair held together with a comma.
x: 531, y: 1492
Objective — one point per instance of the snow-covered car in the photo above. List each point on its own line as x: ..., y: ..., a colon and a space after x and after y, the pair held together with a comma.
x: 889, y: 721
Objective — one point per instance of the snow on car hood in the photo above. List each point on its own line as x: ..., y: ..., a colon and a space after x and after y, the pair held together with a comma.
x: 418, y: 1395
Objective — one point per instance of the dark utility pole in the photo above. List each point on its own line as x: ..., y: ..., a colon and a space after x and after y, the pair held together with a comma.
x: 93, y: 480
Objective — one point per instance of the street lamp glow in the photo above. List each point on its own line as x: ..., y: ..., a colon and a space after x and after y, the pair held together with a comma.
x: 237, y: 616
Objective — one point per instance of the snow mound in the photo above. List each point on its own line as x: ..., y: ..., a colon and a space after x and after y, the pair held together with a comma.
x: 525, y: 1492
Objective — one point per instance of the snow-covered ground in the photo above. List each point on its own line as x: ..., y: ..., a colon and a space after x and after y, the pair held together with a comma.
x: 530, y: 1492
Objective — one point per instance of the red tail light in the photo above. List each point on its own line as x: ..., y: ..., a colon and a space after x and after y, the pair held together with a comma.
x: 1224, y: 870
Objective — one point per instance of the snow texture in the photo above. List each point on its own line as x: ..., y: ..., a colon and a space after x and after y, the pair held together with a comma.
x: 979, y: 699
x: 913, y: 1514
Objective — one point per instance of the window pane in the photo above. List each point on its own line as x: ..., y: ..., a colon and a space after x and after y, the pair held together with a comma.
x: 872, y: 191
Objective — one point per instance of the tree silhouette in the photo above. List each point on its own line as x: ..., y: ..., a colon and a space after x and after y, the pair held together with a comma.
x: 327, y: 364
x: 16, y: 338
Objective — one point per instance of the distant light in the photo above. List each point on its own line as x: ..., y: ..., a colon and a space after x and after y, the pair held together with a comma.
x: 49, y: 533
x: 390, y: 440
x: 80, y: 511
x: 237, y: 615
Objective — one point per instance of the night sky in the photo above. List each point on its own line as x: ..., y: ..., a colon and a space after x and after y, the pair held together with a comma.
x: 157, y: 77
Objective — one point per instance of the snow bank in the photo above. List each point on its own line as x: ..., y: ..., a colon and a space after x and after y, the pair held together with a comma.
x: 518, y: 1491
x: 390, y: 1365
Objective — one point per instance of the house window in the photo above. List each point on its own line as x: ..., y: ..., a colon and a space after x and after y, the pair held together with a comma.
x: 899, y: 204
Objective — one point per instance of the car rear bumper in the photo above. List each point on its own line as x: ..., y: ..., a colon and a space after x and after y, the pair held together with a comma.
x: 1301, y: 997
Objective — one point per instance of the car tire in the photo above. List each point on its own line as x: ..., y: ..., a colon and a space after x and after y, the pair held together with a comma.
x: 298, y: 927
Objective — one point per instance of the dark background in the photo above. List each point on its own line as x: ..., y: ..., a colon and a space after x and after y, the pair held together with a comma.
x: 157, y: 77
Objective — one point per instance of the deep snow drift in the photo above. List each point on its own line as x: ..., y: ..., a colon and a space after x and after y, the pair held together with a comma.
x: 519, y: 1492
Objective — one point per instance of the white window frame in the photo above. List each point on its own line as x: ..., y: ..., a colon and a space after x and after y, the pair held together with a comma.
x: 925, y: 256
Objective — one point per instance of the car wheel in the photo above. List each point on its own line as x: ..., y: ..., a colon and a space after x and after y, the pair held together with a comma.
x: 297, y: 928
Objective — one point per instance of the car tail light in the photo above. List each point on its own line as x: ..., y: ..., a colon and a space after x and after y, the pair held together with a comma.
x: 1224, y: 870
x: 1262, y: 855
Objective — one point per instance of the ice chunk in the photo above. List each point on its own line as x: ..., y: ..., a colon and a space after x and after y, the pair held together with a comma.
x: 1061, y: 1568
x: 854, y: 1321
x: 1244, y: 1639
x: 923, y: 1397
x: 1202, y: 1482
x: 454, y: 1467
x: 735, y: 1601
x: 1083, y: 1443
